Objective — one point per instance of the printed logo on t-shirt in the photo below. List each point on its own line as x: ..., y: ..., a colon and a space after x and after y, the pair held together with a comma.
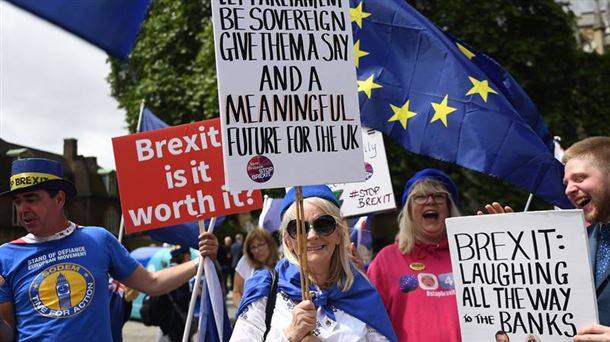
x: 446, y: 281
x: 427, y: 281
x: 62, y: 290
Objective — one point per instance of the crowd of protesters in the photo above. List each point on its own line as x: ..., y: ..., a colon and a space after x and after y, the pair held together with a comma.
x: 43, y: 298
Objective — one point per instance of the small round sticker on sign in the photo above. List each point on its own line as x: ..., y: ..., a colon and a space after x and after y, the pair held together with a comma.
x: 260, y: 169
x: 368, y: 170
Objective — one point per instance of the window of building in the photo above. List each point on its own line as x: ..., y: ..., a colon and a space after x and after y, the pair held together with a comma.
x: 112, y: 220
x: 109, y: 180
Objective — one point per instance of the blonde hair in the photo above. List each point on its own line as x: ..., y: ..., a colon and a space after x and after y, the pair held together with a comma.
x: 340, y: 265
x: 596, y: 149
x: 535, y: 337
x: 261, y: 234
x: 406, y: 233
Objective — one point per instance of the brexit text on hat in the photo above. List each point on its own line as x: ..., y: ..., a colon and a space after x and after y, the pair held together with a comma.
x: 22, y: 180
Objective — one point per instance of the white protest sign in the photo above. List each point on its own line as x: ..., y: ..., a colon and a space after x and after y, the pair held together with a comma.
x: 287, y: 93
x: 375, y: 193
x: 523, y: 273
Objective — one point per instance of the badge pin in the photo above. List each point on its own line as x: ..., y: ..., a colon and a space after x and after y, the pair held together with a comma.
x: 417, y: 266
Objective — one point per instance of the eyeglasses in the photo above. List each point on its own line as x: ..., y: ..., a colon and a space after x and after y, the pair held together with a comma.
x: 323, y: 226
x: 437, y: 197
x: 258, y: 246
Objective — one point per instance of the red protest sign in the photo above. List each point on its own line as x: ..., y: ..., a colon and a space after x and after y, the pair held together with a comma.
x: 171, y: 175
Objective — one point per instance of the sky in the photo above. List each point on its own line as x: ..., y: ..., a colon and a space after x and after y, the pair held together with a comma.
x: 53, y: 86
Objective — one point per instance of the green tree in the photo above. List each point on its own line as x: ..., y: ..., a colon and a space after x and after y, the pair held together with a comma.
x: 171, y: 67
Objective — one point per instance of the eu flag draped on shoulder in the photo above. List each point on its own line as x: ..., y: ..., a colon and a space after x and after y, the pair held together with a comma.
x: 438, y: 97
x: 112, y: 25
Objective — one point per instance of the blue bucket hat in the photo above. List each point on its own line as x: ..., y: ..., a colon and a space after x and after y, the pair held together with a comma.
x: 31, y: 174
x: 436, y: 175
x: 321, y: 191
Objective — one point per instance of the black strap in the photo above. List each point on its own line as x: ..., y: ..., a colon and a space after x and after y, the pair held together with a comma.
x: 270, y: 302
x: 182, y: 315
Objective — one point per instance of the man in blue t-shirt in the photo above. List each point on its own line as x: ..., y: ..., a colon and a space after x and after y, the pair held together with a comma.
x: 54, y: 280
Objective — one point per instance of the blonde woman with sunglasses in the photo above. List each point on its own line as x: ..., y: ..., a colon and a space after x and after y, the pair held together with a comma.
x: 344, y: 305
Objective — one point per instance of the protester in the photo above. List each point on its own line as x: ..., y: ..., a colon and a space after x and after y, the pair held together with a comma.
x: 53, y: 281
x: 260, y: 251
x: 532, y: 338
x: 236, y: 253
x: 502, y: 336
x: 414, y: 276
x: 175, y: 304
x: 120, y: 307
x: 587, y: 181
x: 224, y: 259
x: 344, y: 305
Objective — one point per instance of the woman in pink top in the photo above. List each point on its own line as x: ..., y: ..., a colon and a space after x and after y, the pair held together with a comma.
x: 414, y: 276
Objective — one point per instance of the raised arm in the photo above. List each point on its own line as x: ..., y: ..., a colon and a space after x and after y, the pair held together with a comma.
x: 168, y: 279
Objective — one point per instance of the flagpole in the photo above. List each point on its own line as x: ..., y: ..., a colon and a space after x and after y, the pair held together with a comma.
x: 142, y: 104
x: 261, y: 218
x: 122, y: 224
x: 359, y: 235
x: 529, y: 200
x: 121, y: 230
x: 189, y: 317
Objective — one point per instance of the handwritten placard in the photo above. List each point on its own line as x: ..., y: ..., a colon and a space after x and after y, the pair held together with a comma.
x: 172, y: 175
x: 287, y: 93
x: 375, y: 194
x: 525, y: 273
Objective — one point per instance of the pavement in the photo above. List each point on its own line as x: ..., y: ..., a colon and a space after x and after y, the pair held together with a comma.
x: 134, y: 331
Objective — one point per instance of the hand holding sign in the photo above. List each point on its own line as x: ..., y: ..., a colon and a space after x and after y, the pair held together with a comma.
x: 522, y: 273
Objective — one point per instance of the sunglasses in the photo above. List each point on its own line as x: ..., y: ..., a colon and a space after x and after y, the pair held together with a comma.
x: 323, y: 226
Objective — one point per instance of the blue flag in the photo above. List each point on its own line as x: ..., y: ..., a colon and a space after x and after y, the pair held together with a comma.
x: 207, y: 324
x: 438, y: 97
x: 270, y: 215
x: 184, y: 234
x: 150, y: 122
x: 112, y: 25
x: 360, y: 232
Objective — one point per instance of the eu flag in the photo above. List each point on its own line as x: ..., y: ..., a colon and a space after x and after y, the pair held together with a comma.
x: 438, y: 97
x: 112, y: 25
x: 184, y: 234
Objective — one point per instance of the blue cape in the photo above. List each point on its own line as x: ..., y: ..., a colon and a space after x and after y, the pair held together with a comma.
x: 361, y: 301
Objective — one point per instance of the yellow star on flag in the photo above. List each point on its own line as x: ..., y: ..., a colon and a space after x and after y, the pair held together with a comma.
x: 465, y: 51
x: 357, y: 14
x: 358, y: 53
x: 480, y: 87
x: 367, y: 86
x: 441, y: 110
x: 402, y: 114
